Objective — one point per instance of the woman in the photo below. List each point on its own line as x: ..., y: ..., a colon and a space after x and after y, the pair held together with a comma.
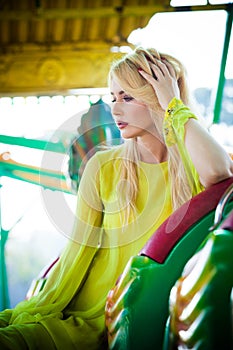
x: 124, y: 195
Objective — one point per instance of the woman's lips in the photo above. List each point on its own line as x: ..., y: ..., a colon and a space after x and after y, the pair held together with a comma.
x: 121, y: 125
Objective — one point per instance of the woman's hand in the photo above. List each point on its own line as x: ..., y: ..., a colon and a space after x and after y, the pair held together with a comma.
x: 163, y: 81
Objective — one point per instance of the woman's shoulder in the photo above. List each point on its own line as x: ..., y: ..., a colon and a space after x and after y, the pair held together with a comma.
x: 102, y: 164
x: 104, y: 159
x: 108, y: 154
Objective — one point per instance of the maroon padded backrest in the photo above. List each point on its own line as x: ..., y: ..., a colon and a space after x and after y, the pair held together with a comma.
x: 171, y: 231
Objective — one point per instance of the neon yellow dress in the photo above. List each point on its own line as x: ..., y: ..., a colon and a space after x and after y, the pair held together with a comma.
x: 69, y: 312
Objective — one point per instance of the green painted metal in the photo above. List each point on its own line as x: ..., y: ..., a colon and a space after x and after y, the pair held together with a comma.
x: 219, y: 95
x: 202, y: 304
x: 33, y: 143
x: 33, y: 174
x: 4, y: 296
x: 140, y: 307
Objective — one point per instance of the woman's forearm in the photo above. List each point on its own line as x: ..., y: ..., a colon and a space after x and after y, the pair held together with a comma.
x: 211, y: 161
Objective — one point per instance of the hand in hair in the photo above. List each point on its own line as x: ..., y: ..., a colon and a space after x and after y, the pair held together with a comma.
x: 163, y: 81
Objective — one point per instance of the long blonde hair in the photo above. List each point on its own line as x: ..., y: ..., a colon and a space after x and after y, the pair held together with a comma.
x: 125, y: 71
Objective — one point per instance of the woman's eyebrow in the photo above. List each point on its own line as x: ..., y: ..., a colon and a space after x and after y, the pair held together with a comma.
x: 120, y: 92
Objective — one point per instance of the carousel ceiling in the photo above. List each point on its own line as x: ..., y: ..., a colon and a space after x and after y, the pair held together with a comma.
x: 57, y: 45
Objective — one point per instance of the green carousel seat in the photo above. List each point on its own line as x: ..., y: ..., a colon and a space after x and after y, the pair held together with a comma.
x: 201, y: 309
x: 137, y: 308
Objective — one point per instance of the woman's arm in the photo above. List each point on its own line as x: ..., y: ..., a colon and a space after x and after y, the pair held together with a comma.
x: 211, y: 161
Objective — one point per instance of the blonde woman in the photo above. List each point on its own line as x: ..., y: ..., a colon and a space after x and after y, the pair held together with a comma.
x: 125, y: 193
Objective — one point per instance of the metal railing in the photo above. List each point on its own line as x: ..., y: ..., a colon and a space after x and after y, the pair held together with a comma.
x: 49, y: 179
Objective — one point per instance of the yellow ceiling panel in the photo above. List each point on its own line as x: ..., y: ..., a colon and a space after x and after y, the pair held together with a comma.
x: 63, y: 31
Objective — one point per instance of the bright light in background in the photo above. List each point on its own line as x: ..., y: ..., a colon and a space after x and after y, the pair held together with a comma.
x: 187, y: 3
x: 196, y: 38
x: 220, y: 2
x: 32, y: 116
x: 197, y: 2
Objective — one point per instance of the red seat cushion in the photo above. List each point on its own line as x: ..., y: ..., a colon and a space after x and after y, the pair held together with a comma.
x: 171, y: 231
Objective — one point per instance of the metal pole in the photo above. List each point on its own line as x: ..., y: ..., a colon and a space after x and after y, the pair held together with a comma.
x: 4, y: 295
x: 221, y: 82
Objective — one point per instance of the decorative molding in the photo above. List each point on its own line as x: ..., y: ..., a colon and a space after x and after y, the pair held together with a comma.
x: 57, y: 70
x: 51, y: 71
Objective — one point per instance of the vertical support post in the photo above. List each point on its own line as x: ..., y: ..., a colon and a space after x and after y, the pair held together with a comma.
x: 4, y: 296
x: 221, y: 82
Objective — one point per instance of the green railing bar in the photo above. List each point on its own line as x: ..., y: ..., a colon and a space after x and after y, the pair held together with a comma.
x: 219, y: 94
x: 7, y: 170
x: 33, y: 143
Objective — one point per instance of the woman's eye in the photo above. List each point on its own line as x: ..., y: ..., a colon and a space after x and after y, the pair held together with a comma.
x: 125, y: 98
x: 128, y: 98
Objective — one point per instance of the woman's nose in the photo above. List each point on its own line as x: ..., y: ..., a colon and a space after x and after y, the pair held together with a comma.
x: 116, y: 108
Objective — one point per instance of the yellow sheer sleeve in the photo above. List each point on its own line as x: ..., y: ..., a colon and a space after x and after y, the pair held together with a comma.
x: 176, y: 116
x: 75, y: 259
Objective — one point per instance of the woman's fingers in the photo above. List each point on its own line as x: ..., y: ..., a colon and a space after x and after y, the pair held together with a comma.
x: 169, y: 67
x: 156, y: 71
x: 159, y: 67
x: 156, y: 74
x: 151, y: 79
x: 163, y: 80
x: 163, y: 68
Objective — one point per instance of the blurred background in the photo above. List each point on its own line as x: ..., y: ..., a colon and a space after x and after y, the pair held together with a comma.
x: 54, y: 105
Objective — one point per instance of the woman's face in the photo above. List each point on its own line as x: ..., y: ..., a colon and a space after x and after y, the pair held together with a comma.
x: 132, y: 117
